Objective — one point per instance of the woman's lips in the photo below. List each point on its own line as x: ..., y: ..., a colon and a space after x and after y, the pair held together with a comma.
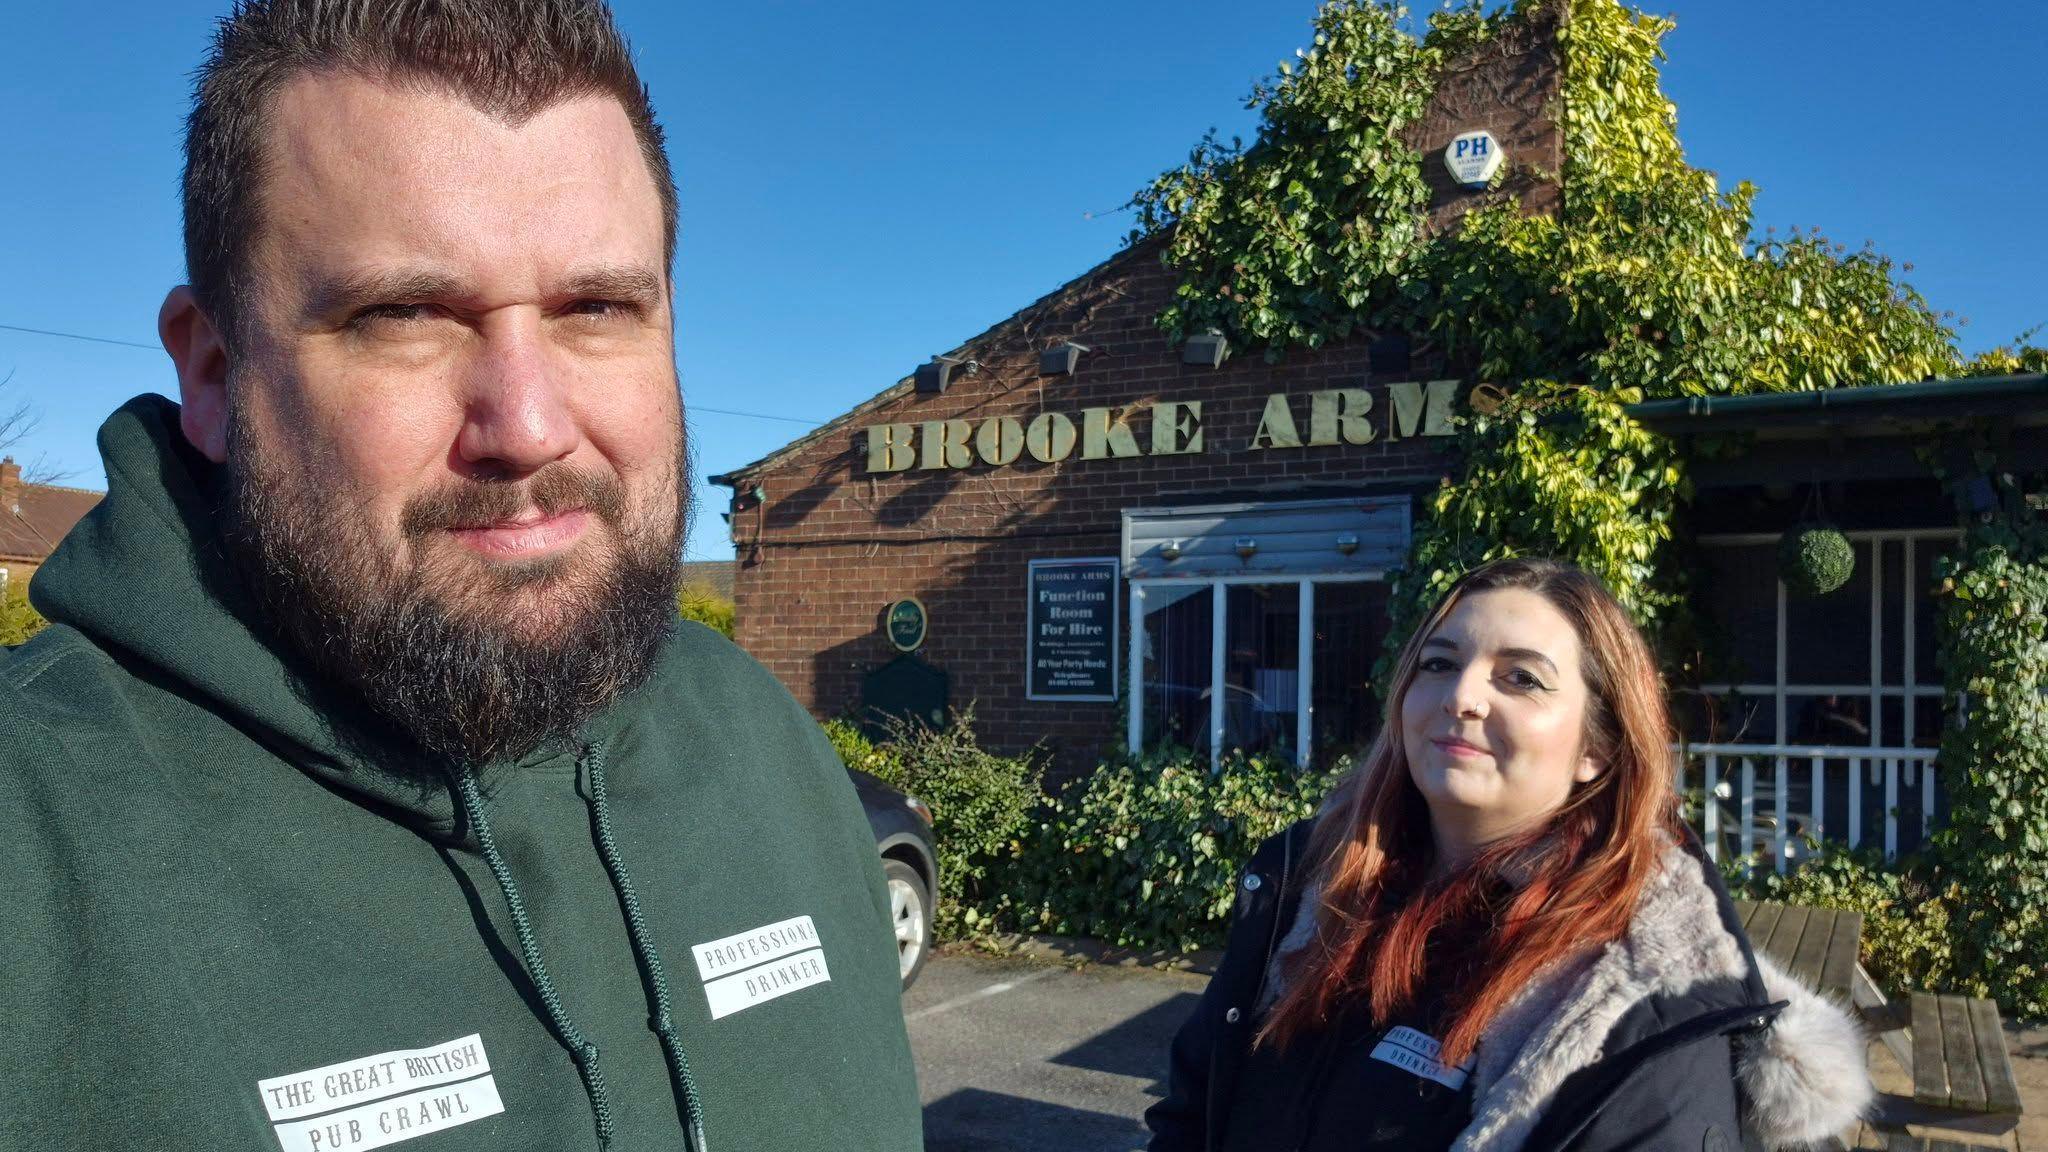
x: 1455, y: 747
x: 525, y: 538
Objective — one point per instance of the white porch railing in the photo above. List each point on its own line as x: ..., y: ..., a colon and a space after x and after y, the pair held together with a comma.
x: 1730, y: 776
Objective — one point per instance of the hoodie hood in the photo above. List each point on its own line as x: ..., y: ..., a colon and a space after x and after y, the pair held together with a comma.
x: 145, y: 575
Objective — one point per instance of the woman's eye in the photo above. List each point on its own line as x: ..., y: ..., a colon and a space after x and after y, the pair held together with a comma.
x: 1524, y: 680
x: 1434, y: 664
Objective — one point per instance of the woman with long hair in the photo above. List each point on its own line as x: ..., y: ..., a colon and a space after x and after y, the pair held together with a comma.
x: 1497, y: 935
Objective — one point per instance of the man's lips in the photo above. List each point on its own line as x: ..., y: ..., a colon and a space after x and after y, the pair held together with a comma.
x: 1453, y: 746
x: 525, y: 536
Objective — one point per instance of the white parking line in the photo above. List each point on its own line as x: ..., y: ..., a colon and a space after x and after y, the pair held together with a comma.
x: 980, y: 994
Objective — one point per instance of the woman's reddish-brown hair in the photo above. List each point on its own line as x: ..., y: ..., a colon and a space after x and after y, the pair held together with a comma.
x: 1533, y: 898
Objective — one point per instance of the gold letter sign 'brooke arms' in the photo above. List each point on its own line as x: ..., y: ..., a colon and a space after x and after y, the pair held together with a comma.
x: 1335, y: 416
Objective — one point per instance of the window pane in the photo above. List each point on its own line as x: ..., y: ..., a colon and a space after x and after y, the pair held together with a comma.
x: 1739, y: 588
x: 1827, y: 638
x: 1926, y: 670
x: 1832, y: 721
x: 1262, y: 667
x: 1729, y: 718
x: 1178, y: 622
x: 1893, y: 590
x: 1351, y: 625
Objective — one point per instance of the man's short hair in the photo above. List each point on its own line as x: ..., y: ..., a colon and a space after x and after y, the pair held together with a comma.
x: 513, y: 58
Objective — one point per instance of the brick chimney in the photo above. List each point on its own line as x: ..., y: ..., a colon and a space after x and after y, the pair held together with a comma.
x: 10, y: 484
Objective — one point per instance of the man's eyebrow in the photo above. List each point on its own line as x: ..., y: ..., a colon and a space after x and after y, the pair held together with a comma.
x: 620, y: 282
x: 354, y: 290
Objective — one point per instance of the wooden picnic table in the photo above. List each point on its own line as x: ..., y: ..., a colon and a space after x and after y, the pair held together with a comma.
x: 1952, y: 1046
x: 1816, y: 945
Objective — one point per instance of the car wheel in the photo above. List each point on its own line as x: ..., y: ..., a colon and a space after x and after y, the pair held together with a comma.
x: 910, y: 914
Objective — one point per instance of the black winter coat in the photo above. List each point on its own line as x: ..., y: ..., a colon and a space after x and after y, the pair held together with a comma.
x: 1676, y: 1039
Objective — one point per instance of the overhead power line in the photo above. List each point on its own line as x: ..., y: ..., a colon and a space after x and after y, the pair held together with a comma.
x: 154, y: 348
x: 76, y: 336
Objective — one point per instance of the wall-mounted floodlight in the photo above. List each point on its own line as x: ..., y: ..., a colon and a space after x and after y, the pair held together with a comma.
x: 1170, y: 550
x: 1246, y: 547
x: 1347, y: 543
x: 1207, y: 348
x: 933, y: 376
x: 1390, y: 356
x: 1062, y: 360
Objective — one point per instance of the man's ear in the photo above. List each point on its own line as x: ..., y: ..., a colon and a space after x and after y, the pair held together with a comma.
x: 201, y: 358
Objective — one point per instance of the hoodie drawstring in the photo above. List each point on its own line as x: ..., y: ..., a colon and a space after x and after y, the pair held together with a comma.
x: 643, y: 947
x: 581, y: 1050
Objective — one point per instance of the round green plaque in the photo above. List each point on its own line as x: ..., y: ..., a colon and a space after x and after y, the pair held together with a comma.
x: 906, y: 621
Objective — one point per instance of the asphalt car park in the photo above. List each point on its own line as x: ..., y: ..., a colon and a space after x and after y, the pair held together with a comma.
x: 1014, y: 1054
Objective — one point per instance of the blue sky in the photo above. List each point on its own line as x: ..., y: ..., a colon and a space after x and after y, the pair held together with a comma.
x: 866, y: 184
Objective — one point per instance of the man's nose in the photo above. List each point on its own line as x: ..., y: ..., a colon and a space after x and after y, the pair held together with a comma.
x: 516, y: 413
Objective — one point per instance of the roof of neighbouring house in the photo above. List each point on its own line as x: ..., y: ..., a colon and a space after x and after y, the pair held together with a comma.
x: 713, y: 574
x: 38, y: 518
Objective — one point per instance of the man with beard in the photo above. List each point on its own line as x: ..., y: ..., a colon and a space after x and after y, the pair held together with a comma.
x: 365, y: 788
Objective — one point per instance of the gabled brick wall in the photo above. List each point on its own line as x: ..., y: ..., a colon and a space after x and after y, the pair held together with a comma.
x: 832, y: 544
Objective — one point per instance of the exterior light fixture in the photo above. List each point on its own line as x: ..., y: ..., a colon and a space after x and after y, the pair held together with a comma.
x: 1062, y: 360
x: 1209, y: 348
x: 1170, y: 550
x: 1389, y: 357
x: 759, y: 493
x: 1347, y: 543
x: 1246, y: 546
x: 932, y: 377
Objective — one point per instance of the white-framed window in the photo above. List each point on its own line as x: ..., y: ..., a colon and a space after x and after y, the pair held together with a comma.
x: 1853, y: 668
x: 1255, y: 626
x: 1835, y: 702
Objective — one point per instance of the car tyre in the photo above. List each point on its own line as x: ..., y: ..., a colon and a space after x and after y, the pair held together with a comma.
x: 910, y: 915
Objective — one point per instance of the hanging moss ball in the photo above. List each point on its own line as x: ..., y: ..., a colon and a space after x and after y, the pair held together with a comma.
x: 1815, y: 559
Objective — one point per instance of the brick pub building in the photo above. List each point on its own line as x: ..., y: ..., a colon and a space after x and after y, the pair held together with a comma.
x: 1243, y: 516
x: 1113, y: 542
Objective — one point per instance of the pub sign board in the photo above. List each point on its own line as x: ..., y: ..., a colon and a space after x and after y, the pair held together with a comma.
x: 1070, y: 643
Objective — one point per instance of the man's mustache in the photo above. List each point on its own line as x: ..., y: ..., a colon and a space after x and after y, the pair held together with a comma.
x: 554, y: 489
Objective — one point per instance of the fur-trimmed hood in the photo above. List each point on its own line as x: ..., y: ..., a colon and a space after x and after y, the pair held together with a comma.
x: 1803, y: 1077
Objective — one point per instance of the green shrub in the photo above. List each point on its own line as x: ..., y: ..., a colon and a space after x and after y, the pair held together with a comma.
x: 982, y: 806
x: 1145, y: 852
x: 1906, y: 936
x: 857, y: 751
x: 18, y: 620
x: 700, y: 602
x: 1814, y: 560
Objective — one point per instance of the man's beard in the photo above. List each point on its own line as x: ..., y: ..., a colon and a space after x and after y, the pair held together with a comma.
x: 435, y: 652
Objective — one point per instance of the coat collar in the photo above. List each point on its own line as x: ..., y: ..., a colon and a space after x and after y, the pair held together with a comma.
x: 1804, y: 1078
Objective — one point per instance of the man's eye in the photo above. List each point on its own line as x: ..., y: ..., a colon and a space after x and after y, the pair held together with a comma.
x: 390, y: 313
x: 598, y: 308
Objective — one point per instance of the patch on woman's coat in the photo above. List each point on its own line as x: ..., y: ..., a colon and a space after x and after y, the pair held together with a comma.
x: 1413, y: 1052
x: 1717, y: 1141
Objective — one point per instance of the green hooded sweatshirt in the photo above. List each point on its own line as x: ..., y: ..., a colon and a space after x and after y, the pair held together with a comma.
x: 224, y: 927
